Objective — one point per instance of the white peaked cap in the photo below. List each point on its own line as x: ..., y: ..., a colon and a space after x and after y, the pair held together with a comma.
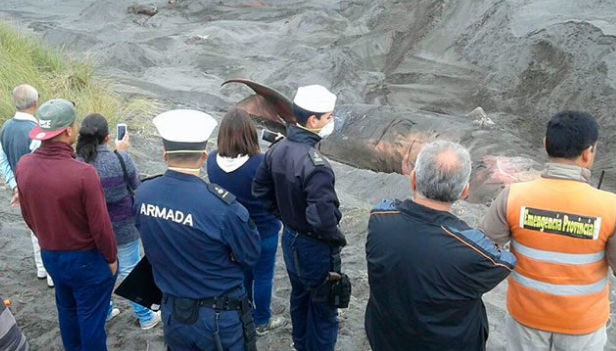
x: 315, y: 98
x: 185, y: 126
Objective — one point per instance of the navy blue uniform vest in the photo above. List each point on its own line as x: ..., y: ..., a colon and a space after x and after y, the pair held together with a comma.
x: 196, y: 236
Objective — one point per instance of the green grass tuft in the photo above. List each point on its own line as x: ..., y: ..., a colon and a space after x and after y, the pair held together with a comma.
x: 26, y: 60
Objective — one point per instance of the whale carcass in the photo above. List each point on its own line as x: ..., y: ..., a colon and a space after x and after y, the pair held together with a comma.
x: 388, y: 139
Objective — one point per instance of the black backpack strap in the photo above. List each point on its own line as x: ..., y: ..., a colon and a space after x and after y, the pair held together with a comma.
x: 126, y: 178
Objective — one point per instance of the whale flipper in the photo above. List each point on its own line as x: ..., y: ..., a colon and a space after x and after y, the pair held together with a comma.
x: 268, y: 104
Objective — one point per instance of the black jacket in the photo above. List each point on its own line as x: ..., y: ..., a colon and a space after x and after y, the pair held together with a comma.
x: 427, y: 272
x: 297, y: 183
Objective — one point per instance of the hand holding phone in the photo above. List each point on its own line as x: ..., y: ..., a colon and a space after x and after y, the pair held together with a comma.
x: 122, y: 139
x: 121, y: 131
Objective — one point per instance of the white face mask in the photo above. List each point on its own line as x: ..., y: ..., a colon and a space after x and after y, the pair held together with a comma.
x: 327, y: 129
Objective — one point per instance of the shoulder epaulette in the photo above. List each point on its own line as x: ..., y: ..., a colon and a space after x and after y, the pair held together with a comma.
x: 221, y: 193
x: 385, y: 205
x: 316, y: 157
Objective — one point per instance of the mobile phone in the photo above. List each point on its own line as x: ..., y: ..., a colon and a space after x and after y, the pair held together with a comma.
x: 269, y: 136
x: 121, y: 131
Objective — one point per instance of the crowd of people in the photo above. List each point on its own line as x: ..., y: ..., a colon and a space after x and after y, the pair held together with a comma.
x: 212, y: 245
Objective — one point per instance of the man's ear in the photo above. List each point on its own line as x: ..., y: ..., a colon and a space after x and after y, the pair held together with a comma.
x: 107, y: 138
x: 465, y: 191
x: 311, y: 122
x: 588, y: 154
x: 544, y: 144
x: 202, y: 159
x: 165, y: 157
x: 413, y: 181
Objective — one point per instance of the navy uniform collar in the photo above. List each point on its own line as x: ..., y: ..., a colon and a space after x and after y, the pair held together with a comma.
x: 299, y: 135
x: 182, y: 176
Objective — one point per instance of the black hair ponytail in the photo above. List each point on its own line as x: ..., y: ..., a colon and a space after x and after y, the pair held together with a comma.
x: 94, y: 129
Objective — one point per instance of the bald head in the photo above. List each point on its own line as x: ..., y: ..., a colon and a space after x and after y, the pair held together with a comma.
x: 442, y: 170
x: 25, y: 97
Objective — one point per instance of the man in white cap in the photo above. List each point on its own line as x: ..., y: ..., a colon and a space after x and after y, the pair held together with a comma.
x: 198, y: 239
x: 297, y: 183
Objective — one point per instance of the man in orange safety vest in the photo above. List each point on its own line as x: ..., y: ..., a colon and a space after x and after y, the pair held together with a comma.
x: 561, y: 231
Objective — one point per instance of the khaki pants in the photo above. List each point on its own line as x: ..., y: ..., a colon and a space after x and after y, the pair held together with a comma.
x: 521, y: 338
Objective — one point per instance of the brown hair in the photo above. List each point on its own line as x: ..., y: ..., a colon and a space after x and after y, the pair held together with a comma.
x: 237, y: 135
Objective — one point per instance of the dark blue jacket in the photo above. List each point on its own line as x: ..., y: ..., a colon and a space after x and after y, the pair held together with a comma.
x: 239, y: 183
x: 427, y: 272
x: 196, y: 236
x: 297, y: 183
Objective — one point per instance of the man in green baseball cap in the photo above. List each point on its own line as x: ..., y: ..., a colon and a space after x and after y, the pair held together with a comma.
x: 54, y: 116
x: 62, y: 201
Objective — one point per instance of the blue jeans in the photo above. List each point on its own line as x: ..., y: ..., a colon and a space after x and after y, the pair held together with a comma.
x: 260, y: 279
x: 201, y: 335
x: 128, y: 257
x: 83, y: 283
x: 315, y: 322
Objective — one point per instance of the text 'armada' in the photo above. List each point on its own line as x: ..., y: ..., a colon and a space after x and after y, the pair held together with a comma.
x: 166, y: 214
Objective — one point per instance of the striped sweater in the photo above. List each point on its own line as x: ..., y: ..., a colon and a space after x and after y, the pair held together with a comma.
x: 119, y: 201
x: 11, y: 338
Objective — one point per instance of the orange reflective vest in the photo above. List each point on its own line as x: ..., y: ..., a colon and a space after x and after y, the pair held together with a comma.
x: 559, y: 232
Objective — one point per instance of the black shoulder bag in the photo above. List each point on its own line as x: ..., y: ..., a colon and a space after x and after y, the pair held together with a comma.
x: 126, y: 178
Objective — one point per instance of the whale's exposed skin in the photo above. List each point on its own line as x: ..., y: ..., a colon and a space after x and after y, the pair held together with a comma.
x: 388, y: 139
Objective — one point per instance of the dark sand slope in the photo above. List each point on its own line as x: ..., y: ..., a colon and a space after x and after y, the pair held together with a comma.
x: 519, y: 60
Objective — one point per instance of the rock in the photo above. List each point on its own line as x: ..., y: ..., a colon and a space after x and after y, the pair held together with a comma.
x: 148, y: 10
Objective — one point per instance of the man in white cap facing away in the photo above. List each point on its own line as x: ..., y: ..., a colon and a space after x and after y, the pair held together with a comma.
x: 198, y: 239
x: 297, y: 183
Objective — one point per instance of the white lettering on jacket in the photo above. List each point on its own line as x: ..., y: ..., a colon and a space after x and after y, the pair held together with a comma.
x: 166, y: 214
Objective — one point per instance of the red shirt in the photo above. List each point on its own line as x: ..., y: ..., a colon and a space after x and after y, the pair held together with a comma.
x: 62, y: 201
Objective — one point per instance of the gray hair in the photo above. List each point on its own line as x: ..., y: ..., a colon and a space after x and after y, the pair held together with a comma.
x: 24, y: 97
x: 442, y: 170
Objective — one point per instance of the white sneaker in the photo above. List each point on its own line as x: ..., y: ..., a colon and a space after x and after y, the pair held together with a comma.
x: 49, y: 281
x: 41, y: 273
x: 156, y: 318
x: 114, y: 312
x: 275, y: 322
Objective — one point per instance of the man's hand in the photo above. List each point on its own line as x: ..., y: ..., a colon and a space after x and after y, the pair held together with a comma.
x: 334, y: 277
x: 113, y: 267
x: 124, y: 144
x: 15, y: 198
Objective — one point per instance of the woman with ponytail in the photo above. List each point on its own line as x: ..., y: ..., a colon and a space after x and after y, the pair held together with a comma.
x: 119, y: 179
